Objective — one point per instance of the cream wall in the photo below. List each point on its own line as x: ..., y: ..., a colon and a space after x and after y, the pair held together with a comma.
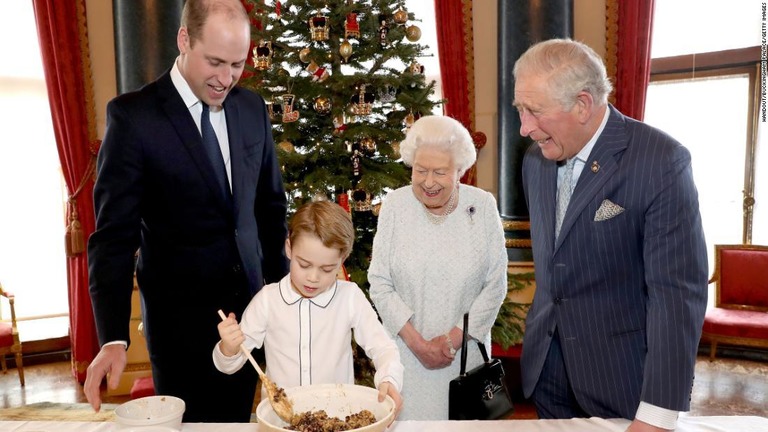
x: 101, y: 42
x: 589, y: 27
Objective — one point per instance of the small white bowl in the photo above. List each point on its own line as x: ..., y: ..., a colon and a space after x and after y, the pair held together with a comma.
x: 338, y: 400
x: 155, y: 411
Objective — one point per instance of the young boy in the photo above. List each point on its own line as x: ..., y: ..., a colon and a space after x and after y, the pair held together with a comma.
x: 305, y: 321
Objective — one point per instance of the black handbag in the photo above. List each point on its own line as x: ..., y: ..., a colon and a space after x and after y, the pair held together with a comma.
x: 480, y: 394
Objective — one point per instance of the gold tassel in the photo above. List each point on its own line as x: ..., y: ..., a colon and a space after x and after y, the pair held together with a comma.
x: 74, y: 241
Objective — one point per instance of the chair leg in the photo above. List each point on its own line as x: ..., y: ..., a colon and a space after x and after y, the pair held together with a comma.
x: 712, y: 350
x: 20, y: 368
x: 2, y: 364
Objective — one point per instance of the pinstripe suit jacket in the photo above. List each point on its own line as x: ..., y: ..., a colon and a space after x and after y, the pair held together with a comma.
x: 627, y: 295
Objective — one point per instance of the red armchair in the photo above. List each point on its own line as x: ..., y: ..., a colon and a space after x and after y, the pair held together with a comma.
x: 740, y: 315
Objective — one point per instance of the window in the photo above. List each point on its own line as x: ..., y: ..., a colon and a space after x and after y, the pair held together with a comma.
x: 705, y: 92
x: 32, y: 261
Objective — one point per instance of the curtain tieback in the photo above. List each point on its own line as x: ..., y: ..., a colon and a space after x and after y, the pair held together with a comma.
x: 74, y: 239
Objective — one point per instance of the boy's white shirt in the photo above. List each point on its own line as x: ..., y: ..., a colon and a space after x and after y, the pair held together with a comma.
x: 308, y: 341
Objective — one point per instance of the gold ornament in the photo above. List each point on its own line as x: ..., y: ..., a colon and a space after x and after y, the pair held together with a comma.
x: 262, y: 55
x: 409, y: 119
x: 413, y: 33
x: 318, y: 26
x: 345, y: 49
x: 368, y: 145
x: 400, y: 16
x: 362, y: 102
x: 286, y: 146
x: 275, y: 109
x: 304, y: 55
x: 322, y: 105
x: 396, y: 150
x: 361, y: 200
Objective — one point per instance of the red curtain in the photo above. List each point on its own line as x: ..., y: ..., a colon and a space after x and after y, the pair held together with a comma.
x: 63, y: 38
x: 455, y: 46
x: 628, y: 54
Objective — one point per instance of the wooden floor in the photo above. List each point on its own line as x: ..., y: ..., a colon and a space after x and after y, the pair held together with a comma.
x: 727, y: 386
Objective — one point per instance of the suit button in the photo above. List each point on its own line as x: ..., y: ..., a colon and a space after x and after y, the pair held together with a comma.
x: 550, y: 333
x: 558, y: 300
x: 236, y: 268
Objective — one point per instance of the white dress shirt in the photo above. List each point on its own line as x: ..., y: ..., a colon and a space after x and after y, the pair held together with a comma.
x: 308, y: 340
x: 218, y: 116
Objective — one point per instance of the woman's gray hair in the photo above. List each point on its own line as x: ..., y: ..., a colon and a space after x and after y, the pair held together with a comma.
x: 443, y: 133
x: 571, y: 67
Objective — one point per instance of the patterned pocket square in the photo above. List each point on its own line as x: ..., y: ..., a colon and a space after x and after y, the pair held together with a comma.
x: 608, y: 209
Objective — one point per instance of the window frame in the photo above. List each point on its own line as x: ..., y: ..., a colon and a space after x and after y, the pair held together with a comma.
x: 741, y: 61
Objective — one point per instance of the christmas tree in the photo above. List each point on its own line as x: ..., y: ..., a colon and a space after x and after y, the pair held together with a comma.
x: 342, y: 83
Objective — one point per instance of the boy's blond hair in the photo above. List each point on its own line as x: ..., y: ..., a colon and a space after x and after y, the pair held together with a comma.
x: 327, y: 221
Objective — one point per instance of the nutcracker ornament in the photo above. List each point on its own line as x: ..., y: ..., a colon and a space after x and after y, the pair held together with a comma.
x: 384, y: 33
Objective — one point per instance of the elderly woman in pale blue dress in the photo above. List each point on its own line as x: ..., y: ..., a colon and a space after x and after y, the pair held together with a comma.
x: 438, y: 253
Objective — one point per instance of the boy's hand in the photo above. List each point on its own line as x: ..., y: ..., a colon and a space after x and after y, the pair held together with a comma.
x: 231, y: 336
x: 386, y: 388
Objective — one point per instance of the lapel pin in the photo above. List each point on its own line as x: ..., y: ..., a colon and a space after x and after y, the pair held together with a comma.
x: 595, y: 166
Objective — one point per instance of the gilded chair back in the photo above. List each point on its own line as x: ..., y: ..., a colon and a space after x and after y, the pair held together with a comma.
x: 9, y: 337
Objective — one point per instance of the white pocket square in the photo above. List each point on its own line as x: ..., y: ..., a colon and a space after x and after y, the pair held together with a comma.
x: 608, y: 209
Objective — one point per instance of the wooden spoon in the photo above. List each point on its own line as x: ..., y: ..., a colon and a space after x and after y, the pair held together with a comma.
x: 277, y: 398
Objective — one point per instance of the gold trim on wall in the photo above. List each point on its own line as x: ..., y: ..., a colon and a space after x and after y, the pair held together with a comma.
x: 516, y: 225
x: 518, y: 243
x: 612, y: 43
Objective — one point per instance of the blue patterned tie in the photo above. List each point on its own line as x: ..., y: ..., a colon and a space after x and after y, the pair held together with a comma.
x: 564, y: 195
x: 211, y: 144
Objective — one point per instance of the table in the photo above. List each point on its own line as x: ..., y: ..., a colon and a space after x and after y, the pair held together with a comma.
x: 685, y: 424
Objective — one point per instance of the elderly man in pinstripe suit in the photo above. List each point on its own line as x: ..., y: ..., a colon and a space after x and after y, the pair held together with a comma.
x: 618, y: 245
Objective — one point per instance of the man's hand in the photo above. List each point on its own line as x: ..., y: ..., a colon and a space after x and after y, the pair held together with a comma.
x: 111, y: 359
x: 640, y: 426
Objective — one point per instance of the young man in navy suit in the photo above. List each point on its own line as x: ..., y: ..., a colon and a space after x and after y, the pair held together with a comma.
x: 618, y: 246
x: 187, y: 175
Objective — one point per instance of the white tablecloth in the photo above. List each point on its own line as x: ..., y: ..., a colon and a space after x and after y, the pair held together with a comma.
x: 685, y: 424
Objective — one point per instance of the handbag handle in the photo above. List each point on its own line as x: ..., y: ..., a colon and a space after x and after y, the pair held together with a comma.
x: 464, y: 347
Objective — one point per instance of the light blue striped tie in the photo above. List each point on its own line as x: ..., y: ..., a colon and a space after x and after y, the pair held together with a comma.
x: 564, y: 195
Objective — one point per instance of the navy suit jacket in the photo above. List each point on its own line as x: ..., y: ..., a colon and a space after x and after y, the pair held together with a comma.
x: 200, y: 250
x: 627, y: 295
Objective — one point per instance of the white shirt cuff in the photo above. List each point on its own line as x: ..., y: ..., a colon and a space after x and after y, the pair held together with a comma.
x: 118, y: 342
x: 657, y: 416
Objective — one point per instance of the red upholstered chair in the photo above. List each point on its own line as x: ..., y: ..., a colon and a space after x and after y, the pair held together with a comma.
x: 9, y: 338
x: 740, y: 314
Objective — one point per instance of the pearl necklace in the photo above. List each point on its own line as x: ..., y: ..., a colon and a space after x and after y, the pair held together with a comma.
x: 449, y: 207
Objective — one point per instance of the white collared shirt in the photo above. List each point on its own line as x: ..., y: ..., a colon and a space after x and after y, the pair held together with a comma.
x: 308, y: 341
x: 583, y: 154
x: 218, y: 116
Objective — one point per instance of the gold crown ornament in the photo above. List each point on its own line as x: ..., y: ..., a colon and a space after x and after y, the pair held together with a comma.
x: 262, y: 55
x: 318, y: 27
